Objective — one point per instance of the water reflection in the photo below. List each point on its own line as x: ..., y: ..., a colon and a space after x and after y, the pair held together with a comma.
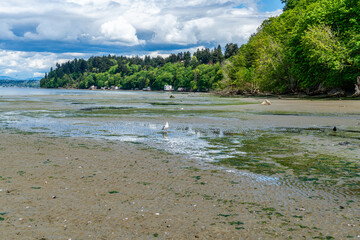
x: 165, y: 135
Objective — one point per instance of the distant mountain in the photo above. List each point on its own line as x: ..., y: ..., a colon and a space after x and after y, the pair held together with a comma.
x: 6, y: 78
x: 34, y: 78
x: 20, y: 79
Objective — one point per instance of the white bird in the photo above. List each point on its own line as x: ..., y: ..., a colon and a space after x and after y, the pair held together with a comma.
x: 166, y: 126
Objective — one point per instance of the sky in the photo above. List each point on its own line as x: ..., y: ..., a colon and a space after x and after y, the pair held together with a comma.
x: 36, y: 34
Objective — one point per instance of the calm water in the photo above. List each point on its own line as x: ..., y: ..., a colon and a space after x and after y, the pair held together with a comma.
x: 204, y: 128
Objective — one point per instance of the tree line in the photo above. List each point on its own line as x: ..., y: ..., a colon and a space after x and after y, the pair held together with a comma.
x: 201, y: 71
x: 312, y: 47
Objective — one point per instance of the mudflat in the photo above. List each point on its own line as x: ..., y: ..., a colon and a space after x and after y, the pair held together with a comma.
x: 68, y: 188
x: 96, y: 165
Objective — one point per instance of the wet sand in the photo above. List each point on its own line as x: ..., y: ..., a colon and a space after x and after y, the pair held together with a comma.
x: 68, y: 188
x: 56, y: 187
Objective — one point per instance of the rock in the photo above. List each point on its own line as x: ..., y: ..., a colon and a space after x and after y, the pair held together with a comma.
x: 266, y: 102
x: 336, y: 93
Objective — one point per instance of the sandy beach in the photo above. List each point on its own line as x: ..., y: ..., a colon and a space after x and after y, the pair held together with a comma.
x: 67, y: 188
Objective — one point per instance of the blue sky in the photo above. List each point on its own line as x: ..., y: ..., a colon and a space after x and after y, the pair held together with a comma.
x: 270, y: 5
x: 36, y: 34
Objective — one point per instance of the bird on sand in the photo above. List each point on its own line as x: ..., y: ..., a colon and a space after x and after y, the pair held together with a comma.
x: 166, y: 126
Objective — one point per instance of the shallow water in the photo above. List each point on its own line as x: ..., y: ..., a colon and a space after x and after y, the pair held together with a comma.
x: 294, y: 149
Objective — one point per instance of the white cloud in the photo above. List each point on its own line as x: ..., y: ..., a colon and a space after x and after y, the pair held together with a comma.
x: 38, y: 74
x: 118, y: 22
x: 157, y: 53
x: 120, y: 31
x: 20, y: 64
x: 10, y: 71
x: 5, y: 32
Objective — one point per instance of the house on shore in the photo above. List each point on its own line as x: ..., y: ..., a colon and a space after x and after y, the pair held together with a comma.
x: 168, y: 88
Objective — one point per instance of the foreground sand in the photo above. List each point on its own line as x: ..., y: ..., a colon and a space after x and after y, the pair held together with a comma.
x: 65, y: 188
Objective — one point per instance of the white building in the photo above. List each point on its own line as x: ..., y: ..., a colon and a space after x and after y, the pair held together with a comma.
x: 168, y: 88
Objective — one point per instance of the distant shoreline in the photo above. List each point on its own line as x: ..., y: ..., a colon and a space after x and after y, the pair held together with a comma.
x: 20, y: 83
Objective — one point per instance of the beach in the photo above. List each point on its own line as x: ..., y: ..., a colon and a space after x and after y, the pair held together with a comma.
x: 60, y: 188
x: 111, y: 173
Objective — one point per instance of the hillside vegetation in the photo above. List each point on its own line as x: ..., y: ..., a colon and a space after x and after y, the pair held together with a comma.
x: 200, y: 72
x: 312, y: 47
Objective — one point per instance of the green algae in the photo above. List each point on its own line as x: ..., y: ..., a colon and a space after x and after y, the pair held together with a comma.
x: 147, y: 112
x: 279, y: 152
x: 113, y: 192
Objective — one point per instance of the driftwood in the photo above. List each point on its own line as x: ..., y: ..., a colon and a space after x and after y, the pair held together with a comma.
x: 357, y: 88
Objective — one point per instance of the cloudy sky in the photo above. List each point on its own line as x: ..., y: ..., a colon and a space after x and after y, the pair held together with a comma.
x: 36, y: 34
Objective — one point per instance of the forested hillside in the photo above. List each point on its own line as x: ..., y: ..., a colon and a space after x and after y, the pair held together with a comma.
x: 200, y: 72
x: 313, y: 46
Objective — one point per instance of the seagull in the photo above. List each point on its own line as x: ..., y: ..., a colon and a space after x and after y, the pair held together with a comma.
x: 166, y: 126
